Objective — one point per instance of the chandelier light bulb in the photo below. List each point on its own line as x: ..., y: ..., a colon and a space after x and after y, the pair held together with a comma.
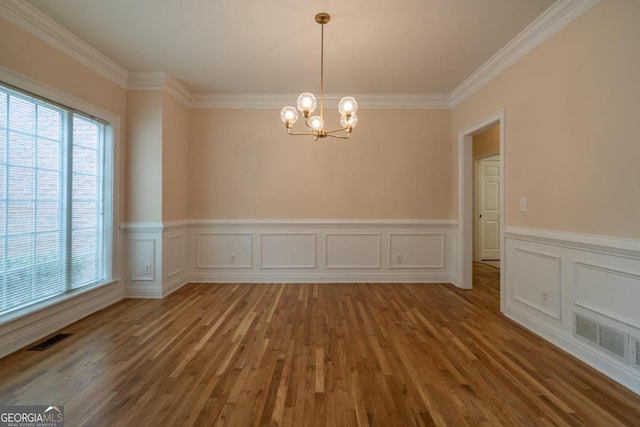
x: 316, y: 123
x: 289, y: 115
x: 306, y: 103
x: 349, y: 121
x: 348, y: 105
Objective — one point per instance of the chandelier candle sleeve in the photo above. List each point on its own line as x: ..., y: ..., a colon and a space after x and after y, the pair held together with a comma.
x: 307, y: 103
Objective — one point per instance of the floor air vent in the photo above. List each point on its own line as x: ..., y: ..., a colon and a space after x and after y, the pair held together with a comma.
x: 610, y: 340
x: 49, y: 342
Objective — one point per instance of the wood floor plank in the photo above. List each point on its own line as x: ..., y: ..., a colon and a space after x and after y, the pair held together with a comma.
x: 314, y: 354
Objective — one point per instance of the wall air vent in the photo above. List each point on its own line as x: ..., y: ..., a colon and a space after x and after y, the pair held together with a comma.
x: 611, y: 341
x: 635, y: 352
x: 587, y: 329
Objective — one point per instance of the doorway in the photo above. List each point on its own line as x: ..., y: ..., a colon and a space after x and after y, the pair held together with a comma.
x: 466, y: 193
x: 487, y: 210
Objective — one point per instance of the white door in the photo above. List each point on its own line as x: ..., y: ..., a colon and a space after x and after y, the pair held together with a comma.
x: 489, y: 208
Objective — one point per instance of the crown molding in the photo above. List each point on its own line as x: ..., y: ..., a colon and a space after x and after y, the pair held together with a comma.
x: 211, y: 100
x: 176, y: 89
x: 146, y: 80
x: 160, y: 81
x: 404, y: 101
x: 41, y: 26
x: 559, y: 15
x: 369, y: 101
x: 35, y: 22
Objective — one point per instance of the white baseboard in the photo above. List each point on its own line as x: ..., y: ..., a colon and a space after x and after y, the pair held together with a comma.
x: 141, y: 293
x: 318, y: 277
x: 608, y: 366
x: 21, y: 332
x: 174, y: 283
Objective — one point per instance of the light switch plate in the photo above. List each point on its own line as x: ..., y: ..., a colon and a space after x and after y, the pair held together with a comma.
x: 523, y: 204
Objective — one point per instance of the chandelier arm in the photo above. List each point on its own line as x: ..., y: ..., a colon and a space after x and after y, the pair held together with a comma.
x: 299, y: 133
x: 338, y: 136
x: 306, y: 123
x: 337, y: 130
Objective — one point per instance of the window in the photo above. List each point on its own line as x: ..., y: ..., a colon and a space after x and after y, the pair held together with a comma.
x: 54, y: 210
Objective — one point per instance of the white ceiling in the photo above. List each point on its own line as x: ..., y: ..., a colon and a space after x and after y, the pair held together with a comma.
x: 273, y: 46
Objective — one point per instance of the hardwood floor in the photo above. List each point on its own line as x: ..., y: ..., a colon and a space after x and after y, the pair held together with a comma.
x: 314, y: 354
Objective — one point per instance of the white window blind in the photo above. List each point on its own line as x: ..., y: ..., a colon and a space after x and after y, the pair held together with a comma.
x: 52, y: 221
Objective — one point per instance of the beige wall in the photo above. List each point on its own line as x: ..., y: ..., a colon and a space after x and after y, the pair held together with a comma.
x: 572, y: 127
x: 175, y: 160
x: 144, y: 136
x: 571, y: 111
x: 487, y: 142
x: 25, y: 54
x: 158, y: 136
x: 28, y: 55
x: 244, y: 165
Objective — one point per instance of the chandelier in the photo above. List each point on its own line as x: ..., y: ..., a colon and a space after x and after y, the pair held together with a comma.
x: 307, y: 105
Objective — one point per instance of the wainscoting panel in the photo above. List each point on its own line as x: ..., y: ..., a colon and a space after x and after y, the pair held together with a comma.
x: 288, y: 250
x: 175, y: 269
x: 592, y: 278
x: 224, y: 250
x: 143, y: 259
x: 351, y: 250
x: 327, y: 251
x: 453, y: 257
x: 157, y: 258
x: 608, y: 291
x: 416, y: 250
x: 536, y: 280
x: 175, y: 251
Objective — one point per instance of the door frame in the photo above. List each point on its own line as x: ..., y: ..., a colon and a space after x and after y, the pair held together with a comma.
x: 464, y: 252
x: 476, y: 203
